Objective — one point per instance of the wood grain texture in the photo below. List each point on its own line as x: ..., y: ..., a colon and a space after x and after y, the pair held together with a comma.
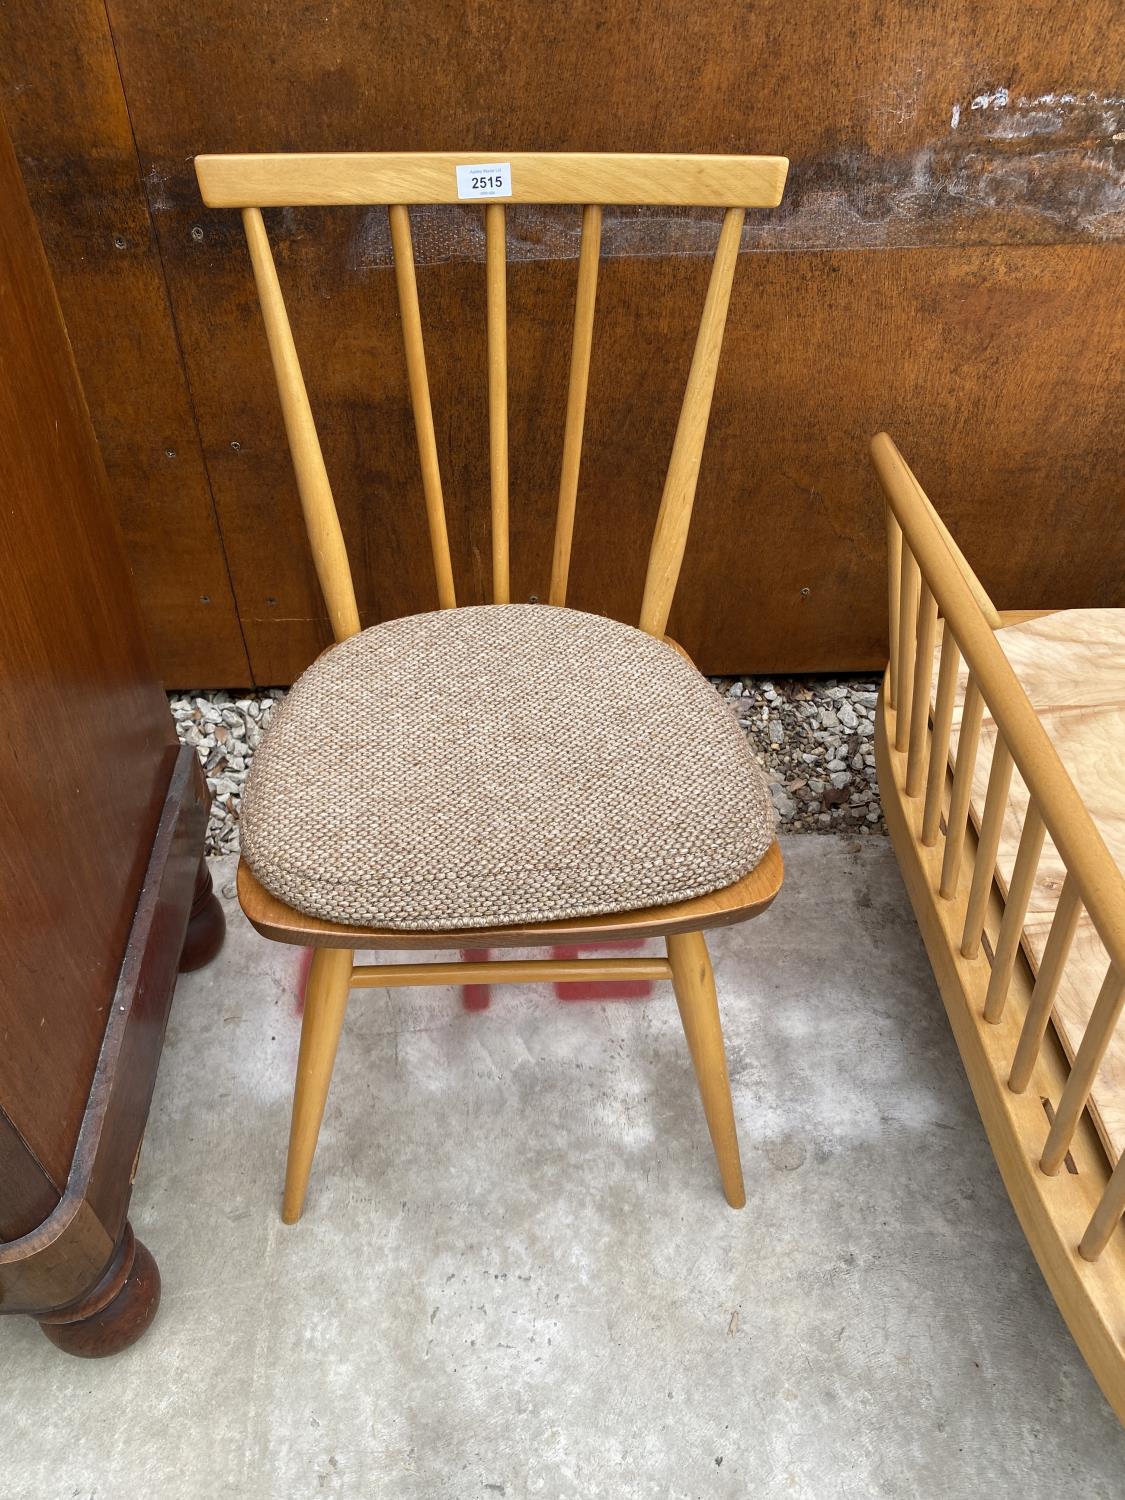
x: 61, y: 1258
x: 78, y: 821
x: 299, y: 179
x: 69, y: 120
x: 1072, y: 667
x: 943, y: 265
x: 1054, y: 1212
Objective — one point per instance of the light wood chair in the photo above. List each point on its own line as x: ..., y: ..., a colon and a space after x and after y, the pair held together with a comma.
x: 251, y: 183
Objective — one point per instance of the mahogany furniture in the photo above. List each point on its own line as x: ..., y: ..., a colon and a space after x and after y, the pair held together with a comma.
x: 1021, y: 906
x: 103, y: 892
x: 730, y: 183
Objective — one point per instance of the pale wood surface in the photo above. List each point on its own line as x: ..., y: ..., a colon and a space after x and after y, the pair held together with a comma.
x: 989, y: 840
x: 1017, y: 896
x: 297, y: 178
x: 496, y: 273
x: 1054, y: 1211
x: 674, y: 517
x: 694, y: 983
x: 909, y: 593
x: 1066, y: 815
x: 406, y: 281
x: 1042, y: 1002
x: 1087, y: 1060
x: 326, y: 540
x: 939, y: 741
x: 920, y: 692
x: 894, y: 587
x: 581, y: 345
x: 747, y: 898
x: 507, y: 971
x: 326, y: 1001
x: 972, y: 708
x: 1072, y: 666
x: 976, y: 588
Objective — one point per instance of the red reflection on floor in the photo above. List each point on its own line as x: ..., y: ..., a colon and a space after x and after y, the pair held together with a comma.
x: 478, y: 996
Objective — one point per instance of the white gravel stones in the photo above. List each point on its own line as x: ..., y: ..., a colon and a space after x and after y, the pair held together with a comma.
x: 812, y: 734
x: 225, y: 733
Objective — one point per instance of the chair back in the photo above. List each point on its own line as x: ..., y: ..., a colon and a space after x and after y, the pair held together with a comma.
x: 398, y: 180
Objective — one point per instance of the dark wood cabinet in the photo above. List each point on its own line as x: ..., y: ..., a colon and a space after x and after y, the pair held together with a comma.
x: 100, y: 859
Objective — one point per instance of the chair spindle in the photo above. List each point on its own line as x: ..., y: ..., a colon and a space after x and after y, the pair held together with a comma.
x: 957, y: 823
x: 1087, y: 1060
x: 894, y: 584
x: 1015, y: 909
x: 923, y: 677
x: 588, y: 259
x: 984, y: 866
x: 670, y: 537
x: 939, y: 740
x: 496, y: 273
x: 1063, y: 927
x: 326, y: 539
x: 908, y: 597
x: 406, y: 281
x: 1106, y: 1216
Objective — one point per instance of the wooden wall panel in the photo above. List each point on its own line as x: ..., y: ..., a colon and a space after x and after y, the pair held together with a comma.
x: 947, y: 262
x: 67, y: 115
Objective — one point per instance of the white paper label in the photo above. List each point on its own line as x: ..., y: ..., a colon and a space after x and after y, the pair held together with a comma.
x: 493, y: 180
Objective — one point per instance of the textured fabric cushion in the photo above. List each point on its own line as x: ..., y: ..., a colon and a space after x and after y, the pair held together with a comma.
x: 505, y: 763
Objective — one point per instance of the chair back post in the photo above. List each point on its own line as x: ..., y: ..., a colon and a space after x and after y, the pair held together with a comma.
x: 589, y: 256
x: 330, y: 556
x: 407, y: 283
x: 497, y: 314
x: 674, y: 516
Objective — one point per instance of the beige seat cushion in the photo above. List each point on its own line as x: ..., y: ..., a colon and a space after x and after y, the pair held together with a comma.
x: 497, y: 764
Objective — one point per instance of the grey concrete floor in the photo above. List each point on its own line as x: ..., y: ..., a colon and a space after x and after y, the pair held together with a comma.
x: 516, y: 1275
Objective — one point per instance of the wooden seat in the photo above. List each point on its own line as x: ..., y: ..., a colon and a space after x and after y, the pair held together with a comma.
x: 746, y: 898
x: 734, y: 184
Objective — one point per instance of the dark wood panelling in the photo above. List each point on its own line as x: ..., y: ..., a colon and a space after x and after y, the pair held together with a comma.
x: 942, y: 265
x: 86, y: 742
x: 70, y: 125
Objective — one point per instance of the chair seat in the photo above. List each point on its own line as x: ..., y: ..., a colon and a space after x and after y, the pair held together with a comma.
x: 501, y: 764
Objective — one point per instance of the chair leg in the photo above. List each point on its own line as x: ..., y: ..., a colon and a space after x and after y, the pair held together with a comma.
x: 694, y: 983
x: 326, y: 1000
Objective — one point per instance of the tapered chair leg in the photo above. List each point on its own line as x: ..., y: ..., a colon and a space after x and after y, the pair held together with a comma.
x: 326, y: 1000
x: 694, y: 983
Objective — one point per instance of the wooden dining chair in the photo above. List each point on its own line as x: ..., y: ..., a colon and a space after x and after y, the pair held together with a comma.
x: 505, y: 775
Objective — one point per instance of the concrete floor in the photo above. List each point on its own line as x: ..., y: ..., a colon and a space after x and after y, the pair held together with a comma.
x: 517, y: 1277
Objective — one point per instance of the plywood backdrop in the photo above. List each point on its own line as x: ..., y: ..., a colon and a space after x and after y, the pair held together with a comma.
x: 947, y: 264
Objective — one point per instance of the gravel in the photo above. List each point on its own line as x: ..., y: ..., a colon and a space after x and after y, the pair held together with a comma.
x: 815, y: 736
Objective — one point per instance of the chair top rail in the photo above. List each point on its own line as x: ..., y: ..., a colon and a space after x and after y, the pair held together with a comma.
x: 1094, y: 870
x: 307, y: 179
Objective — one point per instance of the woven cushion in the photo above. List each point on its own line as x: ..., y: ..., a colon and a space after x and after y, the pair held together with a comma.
x: 509, y: 763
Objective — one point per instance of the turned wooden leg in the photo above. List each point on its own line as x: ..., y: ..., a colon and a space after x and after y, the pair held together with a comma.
x: 694, y: 984
x: 116, y: 1311
x: 206, y: 926
x: 326, y: 1000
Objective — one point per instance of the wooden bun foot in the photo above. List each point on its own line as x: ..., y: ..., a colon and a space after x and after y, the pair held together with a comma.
x: 206, y: 927
x: 116, y: 1311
